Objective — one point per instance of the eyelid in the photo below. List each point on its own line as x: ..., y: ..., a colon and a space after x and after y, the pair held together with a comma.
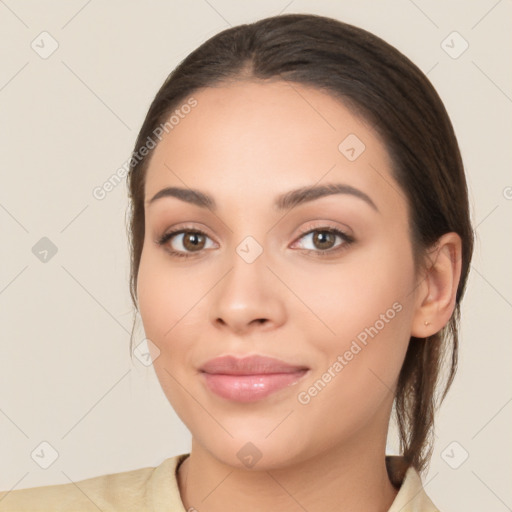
x: 324, y: 226
x: 179, y: 228
x: 344, y: 233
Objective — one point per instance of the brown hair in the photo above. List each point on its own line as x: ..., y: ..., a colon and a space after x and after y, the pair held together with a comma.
x: 383, y: 86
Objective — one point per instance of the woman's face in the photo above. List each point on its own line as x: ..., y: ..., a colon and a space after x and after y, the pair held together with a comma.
x: 323, y: 283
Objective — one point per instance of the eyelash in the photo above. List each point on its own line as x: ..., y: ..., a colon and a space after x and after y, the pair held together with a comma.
x: 167, y: 236
x: 347, y: 240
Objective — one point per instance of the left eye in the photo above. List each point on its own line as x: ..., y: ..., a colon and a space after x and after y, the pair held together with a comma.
x: 324, y: 239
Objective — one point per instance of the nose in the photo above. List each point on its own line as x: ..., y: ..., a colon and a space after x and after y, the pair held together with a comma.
x: 248, y: 298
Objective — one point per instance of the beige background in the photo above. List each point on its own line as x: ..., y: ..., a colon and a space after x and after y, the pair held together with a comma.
x: 68, y: 122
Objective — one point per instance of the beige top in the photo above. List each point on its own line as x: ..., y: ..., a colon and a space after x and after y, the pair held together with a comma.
x: 156, y: 490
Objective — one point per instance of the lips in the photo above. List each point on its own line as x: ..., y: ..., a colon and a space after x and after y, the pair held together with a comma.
x: 253, y: 365
x: 250, y: 378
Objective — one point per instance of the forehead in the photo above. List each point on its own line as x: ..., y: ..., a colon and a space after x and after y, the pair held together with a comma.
x: 267, y: 137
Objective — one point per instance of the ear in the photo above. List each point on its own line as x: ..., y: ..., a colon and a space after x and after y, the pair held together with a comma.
x: 436, y: 293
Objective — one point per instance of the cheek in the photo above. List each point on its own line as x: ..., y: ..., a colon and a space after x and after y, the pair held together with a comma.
x: 368, y: 307
x: 173, y: 304
x: 152, y: 299
x: 164, y: 296
x: 362, y: 291
x: 166, y: 303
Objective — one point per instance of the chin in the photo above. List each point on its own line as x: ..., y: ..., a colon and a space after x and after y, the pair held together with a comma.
x: 253, y: 447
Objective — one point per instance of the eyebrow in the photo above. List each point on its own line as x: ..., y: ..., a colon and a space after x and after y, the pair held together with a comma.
x: 283, y: 202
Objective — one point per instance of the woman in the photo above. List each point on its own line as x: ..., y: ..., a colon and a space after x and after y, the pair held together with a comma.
x: 300, y: 247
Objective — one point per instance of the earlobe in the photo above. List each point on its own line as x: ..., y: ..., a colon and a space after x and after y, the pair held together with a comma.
x: 437, y: 292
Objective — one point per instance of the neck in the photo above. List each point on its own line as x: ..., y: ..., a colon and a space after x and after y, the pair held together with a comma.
x: 346, y: 478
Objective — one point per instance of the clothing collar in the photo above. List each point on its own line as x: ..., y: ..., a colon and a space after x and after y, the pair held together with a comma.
x: 411, y: 496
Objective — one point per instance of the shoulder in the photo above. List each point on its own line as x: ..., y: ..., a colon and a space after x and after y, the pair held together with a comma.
x: 411, y: 495
x: 135, y: 490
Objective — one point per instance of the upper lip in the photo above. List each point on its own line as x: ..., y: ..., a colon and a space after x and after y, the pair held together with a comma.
x: 251, y: 365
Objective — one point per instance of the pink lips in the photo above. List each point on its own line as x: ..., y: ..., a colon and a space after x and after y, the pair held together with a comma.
x: 251, y: 378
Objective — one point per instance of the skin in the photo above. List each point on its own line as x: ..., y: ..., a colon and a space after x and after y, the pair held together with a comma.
x: 244, y: 144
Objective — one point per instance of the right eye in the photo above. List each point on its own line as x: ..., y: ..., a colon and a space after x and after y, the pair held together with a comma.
x: 185, y: 242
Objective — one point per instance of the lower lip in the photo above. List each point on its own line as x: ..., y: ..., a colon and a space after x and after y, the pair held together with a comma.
x: 250, y: 388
